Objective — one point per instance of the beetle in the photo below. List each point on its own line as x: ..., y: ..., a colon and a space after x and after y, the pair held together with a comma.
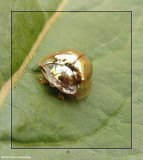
x: 70, y: 71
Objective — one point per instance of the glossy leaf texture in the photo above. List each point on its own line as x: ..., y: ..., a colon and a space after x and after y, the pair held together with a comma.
x: 103, y: 119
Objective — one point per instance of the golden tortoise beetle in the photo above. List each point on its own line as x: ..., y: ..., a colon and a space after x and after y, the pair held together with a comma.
x: 70, y: 71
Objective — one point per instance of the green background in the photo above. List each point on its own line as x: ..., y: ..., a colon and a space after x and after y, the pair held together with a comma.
x: 109, y: 117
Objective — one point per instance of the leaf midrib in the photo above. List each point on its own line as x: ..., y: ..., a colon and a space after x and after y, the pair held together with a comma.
x: 7, y: 86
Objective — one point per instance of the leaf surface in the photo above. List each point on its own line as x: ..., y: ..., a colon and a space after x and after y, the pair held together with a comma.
x: 102, y: 119
x: 24, y: 31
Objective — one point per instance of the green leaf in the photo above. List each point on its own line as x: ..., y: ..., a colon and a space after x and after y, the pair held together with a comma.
x: 38, y: 114
x: 103, y: 119
x: 24, y: 31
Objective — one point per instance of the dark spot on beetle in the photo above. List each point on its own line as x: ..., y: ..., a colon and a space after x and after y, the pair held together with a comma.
x: 78, y: 79
x: 55, y: 60
x: 69, y: 65
x: 64, y: 80
x: 85, y: 67
x: 50, y: 66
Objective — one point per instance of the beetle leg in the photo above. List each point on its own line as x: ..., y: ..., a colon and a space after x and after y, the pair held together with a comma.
x: 61, y: 96
x: 43, y: 81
